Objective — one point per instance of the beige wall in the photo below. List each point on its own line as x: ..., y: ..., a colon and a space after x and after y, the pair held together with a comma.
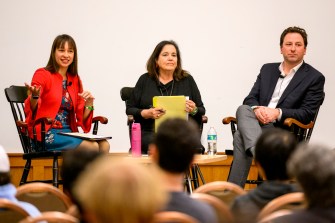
x: 223, y: 44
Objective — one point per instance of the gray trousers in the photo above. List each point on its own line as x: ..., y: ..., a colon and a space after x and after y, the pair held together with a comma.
x: 245, y: 138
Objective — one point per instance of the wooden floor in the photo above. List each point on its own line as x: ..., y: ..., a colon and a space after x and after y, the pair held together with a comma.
x: 42, y: 169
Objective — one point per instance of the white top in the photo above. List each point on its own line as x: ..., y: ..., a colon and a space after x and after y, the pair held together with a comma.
x: 281, y: 85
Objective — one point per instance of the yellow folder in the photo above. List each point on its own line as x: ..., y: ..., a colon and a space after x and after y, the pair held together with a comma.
x: 174, y: 107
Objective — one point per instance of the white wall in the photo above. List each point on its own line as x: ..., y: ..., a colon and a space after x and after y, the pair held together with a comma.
x: 223, y: 44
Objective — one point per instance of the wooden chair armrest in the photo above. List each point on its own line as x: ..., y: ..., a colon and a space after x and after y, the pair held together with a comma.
x: 232, y: 121
x: 101, y: 119
x: 21, y: 124
x: 52, y: 216
x: 73, y: 211
x: 228, y: 120
x: 290, y: 121
x: 130, y: 119
x: 95, y: 121
x: 43, y: 121
x: 204, y: 119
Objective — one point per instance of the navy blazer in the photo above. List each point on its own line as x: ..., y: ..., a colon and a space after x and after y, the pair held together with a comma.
x: 301, y: 98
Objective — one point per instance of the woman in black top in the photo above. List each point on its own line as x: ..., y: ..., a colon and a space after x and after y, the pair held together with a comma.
x: 165, y: 77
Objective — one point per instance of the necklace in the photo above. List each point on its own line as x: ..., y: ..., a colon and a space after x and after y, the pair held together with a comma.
x: 166, y: 89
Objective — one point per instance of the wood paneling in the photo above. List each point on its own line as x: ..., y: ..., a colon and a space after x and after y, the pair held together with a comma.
x: 42, y: 169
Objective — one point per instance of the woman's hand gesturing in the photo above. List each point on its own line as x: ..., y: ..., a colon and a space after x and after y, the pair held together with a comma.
x: 88, y: 97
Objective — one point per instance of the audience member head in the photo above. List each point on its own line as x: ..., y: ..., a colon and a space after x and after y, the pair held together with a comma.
x: 272, y: 151
x: 59, y: 43
x: 175, y: 144
x: 294, y: 29
x: 119, y: 191
x: 154, y: 68
x: 4, y: 167
x: 313, y: 167
x: 75, y: 161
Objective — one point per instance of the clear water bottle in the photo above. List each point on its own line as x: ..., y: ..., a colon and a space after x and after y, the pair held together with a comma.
x: 211, y: 139
x: 136, y: 140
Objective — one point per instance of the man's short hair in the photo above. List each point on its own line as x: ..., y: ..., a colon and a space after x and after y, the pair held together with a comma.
x: 294, y: 29
x: 272, y: 151
x: 177, y: 141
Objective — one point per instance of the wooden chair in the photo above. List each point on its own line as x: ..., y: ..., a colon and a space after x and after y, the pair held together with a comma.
x: 44, y: 196
x: 16, y: 96
x: 222, y: 210
x: 225, y: 191
x: 290, y: 201
x: 173, y: 217
x: 73, y: 211
x: 274, y: 215
x: 193, y: 175
x: 10, y: 212
x: 302, y: 132
x: 125, y: 93
x: 51, y: 217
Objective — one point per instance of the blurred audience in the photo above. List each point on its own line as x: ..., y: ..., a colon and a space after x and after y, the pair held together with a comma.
x: 313, y: 167
x: 173, y: 149
x: 119, y: 190
x: 7, y: 189
x: 272, y: 151
x: 74, y: 163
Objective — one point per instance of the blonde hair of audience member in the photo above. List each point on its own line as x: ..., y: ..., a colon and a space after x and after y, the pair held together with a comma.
x: 119, y: 191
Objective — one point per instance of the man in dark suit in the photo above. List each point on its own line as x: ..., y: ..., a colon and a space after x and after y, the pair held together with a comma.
x: 292, y: 88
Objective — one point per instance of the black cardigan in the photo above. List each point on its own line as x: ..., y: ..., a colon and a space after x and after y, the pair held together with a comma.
x: 146, y: 88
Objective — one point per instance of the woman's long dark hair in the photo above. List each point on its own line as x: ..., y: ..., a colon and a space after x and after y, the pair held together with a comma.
x: 153, y: 70
x: 59, y: 42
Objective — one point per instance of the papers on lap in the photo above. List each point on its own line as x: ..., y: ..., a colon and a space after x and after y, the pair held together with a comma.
x: 86, y: 136
x: 174, y: 107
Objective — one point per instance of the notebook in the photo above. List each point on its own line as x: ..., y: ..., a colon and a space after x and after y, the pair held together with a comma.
x: 174, y: 107
x: 86, y: 136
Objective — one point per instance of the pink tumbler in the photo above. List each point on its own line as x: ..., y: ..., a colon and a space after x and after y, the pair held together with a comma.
x: 136, y: 140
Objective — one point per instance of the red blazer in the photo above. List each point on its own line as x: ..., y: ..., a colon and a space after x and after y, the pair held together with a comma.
x: 50, y: 100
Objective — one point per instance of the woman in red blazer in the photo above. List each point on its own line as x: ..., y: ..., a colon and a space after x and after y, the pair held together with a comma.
x: 56, y: 91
